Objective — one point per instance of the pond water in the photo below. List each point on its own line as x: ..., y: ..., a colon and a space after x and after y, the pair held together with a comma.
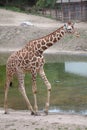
x: 78, y: 68
x: 68, y: 77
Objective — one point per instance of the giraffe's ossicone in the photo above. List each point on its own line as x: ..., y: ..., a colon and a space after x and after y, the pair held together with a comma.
x: 30, y: 59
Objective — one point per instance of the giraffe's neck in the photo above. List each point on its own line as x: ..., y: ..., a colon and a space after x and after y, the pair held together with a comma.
x: 40, y: 45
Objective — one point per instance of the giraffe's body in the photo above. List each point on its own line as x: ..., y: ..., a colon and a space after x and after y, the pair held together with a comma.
x: 31, y: 56
x: 25, y: 61
x: 30, y: 59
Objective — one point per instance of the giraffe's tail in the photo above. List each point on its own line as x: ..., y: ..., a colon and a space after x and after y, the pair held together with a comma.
x: 10, y: 84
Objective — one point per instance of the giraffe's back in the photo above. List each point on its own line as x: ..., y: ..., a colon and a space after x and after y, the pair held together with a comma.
x: 24, y: 60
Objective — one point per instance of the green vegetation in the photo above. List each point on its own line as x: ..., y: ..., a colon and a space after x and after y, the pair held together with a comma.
x: 41, y: 3
x: 17, y: 2
x: 46, y: 3
x: 68, y: 90
x: 13, y: 8
x: 27, y: 6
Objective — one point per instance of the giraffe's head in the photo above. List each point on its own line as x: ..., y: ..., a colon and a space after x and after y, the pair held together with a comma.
x: 69, y: 28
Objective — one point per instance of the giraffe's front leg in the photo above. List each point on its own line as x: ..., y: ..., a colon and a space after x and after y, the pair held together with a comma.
x: 43, y: 76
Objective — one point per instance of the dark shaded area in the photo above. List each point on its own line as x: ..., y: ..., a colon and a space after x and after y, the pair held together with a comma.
x: 17, y: 2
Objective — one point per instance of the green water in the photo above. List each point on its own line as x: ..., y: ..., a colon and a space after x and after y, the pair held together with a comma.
x: 69, y: 90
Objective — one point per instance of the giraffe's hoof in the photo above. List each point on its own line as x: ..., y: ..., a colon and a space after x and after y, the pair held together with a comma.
x: 32, y: 113
x: 46, y: 112
x: 37, y: 114
x: 5, y: 112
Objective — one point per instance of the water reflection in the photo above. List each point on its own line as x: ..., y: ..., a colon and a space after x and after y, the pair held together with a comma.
x: 79, y: 68
x: 70, y: 111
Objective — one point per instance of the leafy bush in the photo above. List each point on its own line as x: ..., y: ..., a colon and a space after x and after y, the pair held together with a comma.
x: 46, y: 3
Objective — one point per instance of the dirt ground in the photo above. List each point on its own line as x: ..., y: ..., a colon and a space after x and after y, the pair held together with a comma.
x: 22, y: 120
x: 16, y: 29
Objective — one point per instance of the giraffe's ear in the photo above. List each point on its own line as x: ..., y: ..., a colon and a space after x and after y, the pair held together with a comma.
x: 65, y: 25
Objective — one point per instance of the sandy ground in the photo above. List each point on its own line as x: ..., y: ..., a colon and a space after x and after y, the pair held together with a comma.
x: 22, y: 120
x: 14, y: 34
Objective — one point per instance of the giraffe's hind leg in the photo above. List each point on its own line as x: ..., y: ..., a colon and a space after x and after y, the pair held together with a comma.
x: 7, y: 84
x: 20, y: 76
x: 34, y: 89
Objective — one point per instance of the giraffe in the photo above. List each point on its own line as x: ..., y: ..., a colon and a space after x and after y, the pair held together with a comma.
x: 30, y: 59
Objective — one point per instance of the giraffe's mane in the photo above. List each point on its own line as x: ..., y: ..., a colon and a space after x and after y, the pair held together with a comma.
x: 47, y: 34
